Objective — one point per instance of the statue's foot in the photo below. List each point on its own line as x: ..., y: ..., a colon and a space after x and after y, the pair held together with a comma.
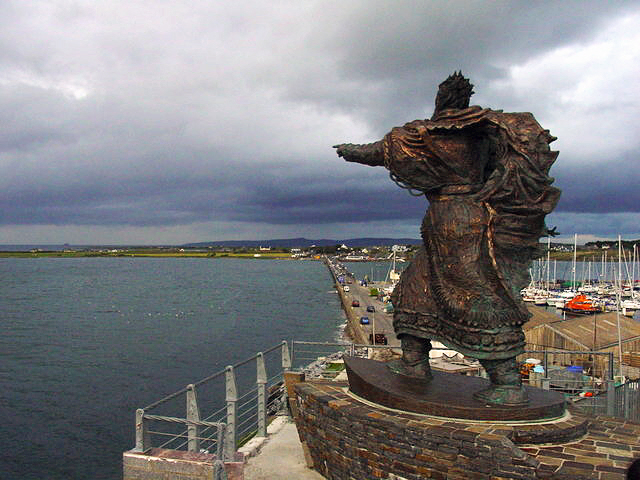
x: 419, y: 369
x: 509, y: 395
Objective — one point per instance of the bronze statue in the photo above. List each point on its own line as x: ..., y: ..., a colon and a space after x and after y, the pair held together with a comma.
x: 485, y: 175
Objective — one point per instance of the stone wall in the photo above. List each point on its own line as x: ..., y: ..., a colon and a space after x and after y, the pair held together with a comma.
x: 348, y: 439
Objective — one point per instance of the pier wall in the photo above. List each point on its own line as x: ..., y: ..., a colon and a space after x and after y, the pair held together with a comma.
x: 352, y: 330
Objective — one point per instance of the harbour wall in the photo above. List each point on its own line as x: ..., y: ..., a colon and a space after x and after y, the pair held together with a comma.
x: 352, y: 329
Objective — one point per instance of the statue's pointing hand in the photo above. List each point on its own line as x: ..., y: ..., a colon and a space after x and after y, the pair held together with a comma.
x: 370, y: 154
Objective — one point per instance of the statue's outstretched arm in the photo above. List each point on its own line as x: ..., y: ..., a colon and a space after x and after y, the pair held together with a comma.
x: 369, y: 154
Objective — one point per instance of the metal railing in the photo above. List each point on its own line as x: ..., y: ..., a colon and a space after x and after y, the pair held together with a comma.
x: 595, y: 393
x: 245, y: 414
x: 247, y: 404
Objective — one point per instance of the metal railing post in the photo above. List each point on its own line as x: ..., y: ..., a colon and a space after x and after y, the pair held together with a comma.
x: 193, y: 414
x: 626, y: 399
x: 261, y: 380
x: 143, y: 440
x: 611, y: 389
x: 231, y: 395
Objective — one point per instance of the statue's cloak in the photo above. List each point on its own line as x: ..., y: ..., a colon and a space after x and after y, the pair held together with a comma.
x: 485, y: 174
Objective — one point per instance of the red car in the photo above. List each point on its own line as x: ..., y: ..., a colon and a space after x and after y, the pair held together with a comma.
x: 355, y: 303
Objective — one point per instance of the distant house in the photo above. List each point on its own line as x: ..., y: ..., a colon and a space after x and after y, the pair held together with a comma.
x: 265, y: 249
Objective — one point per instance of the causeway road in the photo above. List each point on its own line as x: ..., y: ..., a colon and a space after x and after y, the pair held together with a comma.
x: 379, y: 321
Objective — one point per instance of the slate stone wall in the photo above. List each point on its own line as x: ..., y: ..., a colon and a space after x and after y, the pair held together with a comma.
x: 350, y: 440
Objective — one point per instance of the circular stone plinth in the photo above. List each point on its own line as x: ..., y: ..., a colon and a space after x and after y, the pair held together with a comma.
x: 446, y: 395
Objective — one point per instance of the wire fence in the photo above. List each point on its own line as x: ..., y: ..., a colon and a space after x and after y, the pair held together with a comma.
x: 249, y: 397
x: 586, y: 378
x: 241, y: 398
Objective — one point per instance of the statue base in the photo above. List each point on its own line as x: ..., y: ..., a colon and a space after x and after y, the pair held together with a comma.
x: 445, y: 395
x: 345, y: 437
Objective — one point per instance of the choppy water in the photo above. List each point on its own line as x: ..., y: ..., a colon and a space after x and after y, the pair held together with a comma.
x: 86, y: 341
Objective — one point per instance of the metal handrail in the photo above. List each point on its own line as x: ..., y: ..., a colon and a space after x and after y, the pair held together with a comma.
x: 252, y: 412
x: 256, y: 400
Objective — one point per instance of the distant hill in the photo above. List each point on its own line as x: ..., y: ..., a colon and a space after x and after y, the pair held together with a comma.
x: 306, y: 243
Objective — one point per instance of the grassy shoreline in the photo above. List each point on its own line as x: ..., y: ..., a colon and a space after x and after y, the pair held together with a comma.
x: 581, y: 255
x: 144, y: 254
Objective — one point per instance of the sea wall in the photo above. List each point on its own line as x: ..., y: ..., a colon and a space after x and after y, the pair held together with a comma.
x: 352, y: 330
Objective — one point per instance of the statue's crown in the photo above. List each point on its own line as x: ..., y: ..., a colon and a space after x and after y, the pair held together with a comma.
x: 454, y: 92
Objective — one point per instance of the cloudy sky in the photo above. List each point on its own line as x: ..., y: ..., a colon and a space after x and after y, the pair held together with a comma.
x: 171, y: 121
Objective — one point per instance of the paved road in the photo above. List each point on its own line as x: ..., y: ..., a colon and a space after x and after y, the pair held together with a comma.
x: 380, y: 321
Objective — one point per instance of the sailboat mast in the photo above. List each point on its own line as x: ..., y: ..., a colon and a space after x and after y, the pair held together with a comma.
x: 548, y: 261
x: 575, y: 247
x: 618, y: 300
x: 633, y: 270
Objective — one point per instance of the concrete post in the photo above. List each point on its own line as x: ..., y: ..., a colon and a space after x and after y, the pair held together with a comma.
x: 286, y: 366
x: 286, y: 358
x: 221, y: 453
x: 231, y: 390
x: 193, y: 413
x: 143, y: 440
x: 261, y: 380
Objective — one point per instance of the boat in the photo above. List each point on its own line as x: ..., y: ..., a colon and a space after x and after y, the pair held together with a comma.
x: 540, y: 300
x: 631, y: 304
x: 581, y: 305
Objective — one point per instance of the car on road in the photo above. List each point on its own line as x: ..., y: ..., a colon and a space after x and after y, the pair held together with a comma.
x: 355, y: 303
x: 371, y: 308
x: 381, y: 339
x: 364, y: 320
x: 346, y: 288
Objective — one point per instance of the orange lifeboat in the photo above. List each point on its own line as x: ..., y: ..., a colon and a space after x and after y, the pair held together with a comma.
x: 581, y: 305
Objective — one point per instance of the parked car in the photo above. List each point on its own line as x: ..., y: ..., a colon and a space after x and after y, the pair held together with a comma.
x: 371, y: 308
x: 381, y: 339
x: 364, y: 320
x: 346, y: 288
x: 355, y: 303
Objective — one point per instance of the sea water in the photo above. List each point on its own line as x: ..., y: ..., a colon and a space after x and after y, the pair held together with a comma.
x: 86, y: 341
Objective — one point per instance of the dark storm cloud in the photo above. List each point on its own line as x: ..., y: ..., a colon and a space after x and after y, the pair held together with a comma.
x: 600, y: 188
x: 152, y: 115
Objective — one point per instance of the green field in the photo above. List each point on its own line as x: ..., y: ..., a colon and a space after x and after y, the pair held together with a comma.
x: 144, y: 253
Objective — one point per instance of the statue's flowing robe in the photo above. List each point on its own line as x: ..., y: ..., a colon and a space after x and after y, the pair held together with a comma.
x: 485, y: 174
